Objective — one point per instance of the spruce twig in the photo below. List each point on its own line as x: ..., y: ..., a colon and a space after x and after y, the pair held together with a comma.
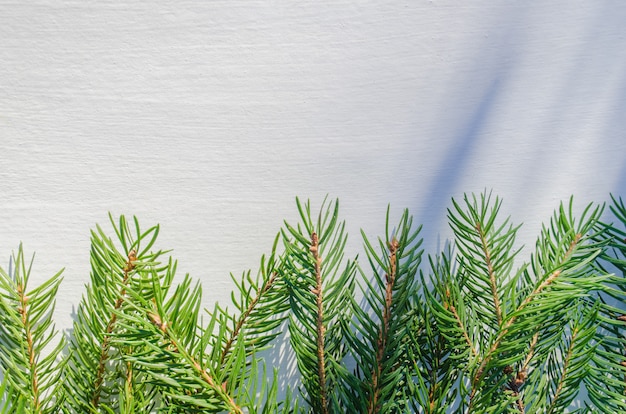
x: 245, y: 316
x: 106, y: 342
x: 319, y: 323
x: 474, y: 337
x: 390, y: 279
x: 30, y: 375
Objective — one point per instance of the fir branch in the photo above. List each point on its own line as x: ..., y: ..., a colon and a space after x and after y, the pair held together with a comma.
x: 262, y: 303
x: 173, y: 357
x: 563, y: 270
x: 26, y: 329
x: 319, y: 323
x: 490, y: 270
x: 30, y: 350
x: 390, y: 278
x: 486, y: 254
x: 243, y: 319
x: 174, y: 348
x: 480, y: 372
x: 448, y: 304
x: 385, y: 331
x: 96, y: 377
x: 504, y: 331
x: 318, y: 294
x: 106, y: 342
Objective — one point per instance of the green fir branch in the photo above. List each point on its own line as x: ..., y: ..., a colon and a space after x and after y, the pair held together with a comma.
x: 97, y: 378
x: 30, y: 375
x: 318, y: 293
x: 507, y: 323
x: 173, y: 357
x: 606, y: 379
x: 446, y: 350
x: 470, y: 334
x: 486, y: 251
x: 381, y: 336
x: 262, y: 305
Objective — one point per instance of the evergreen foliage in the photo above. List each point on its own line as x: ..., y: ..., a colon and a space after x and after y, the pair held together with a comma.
x: 31, y: 373
x: 476, y: 328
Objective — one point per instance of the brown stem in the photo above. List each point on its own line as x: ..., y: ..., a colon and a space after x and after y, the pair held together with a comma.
x: 468, y: 340
x: 23, y: 311
x: 390, y: 279
x: 492, y: 274
x: 531, y: 351
x: 129, y: 379
x: 522, y: 374
x: 106, y: 341
x: 449, y: 306
x: 568, y: 359
x: 244, y: 316
x: 321, y: 329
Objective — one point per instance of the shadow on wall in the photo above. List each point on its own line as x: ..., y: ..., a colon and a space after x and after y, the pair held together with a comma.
x: 449, y: 176
x: 472, y: 97
x: 586, y: 111
x: 501, y: 81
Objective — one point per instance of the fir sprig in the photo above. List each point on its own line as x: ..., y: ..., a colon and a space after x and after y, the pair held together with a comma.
x: 31, y: 373
x: 479, y: 331
x: 97, y: 377
x: 261, y: 304
x: 320, y: 286
x: 606, y: 379
x: 446, y: 347
x: 174, y: 357
x: 382, y: 333
x: 509, y: 325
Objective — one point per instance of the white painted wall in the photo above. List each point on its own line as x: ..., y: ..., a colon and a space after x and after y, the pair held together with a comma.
x: 209, y: 117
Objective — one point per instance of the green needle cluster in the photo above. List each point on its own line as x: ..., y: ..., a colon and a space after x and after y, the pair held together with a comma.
x: 479, y: 327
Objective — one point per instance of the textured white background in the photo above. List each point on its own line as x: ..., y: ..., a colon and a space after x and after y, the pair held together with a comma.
x: 209, y: 117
